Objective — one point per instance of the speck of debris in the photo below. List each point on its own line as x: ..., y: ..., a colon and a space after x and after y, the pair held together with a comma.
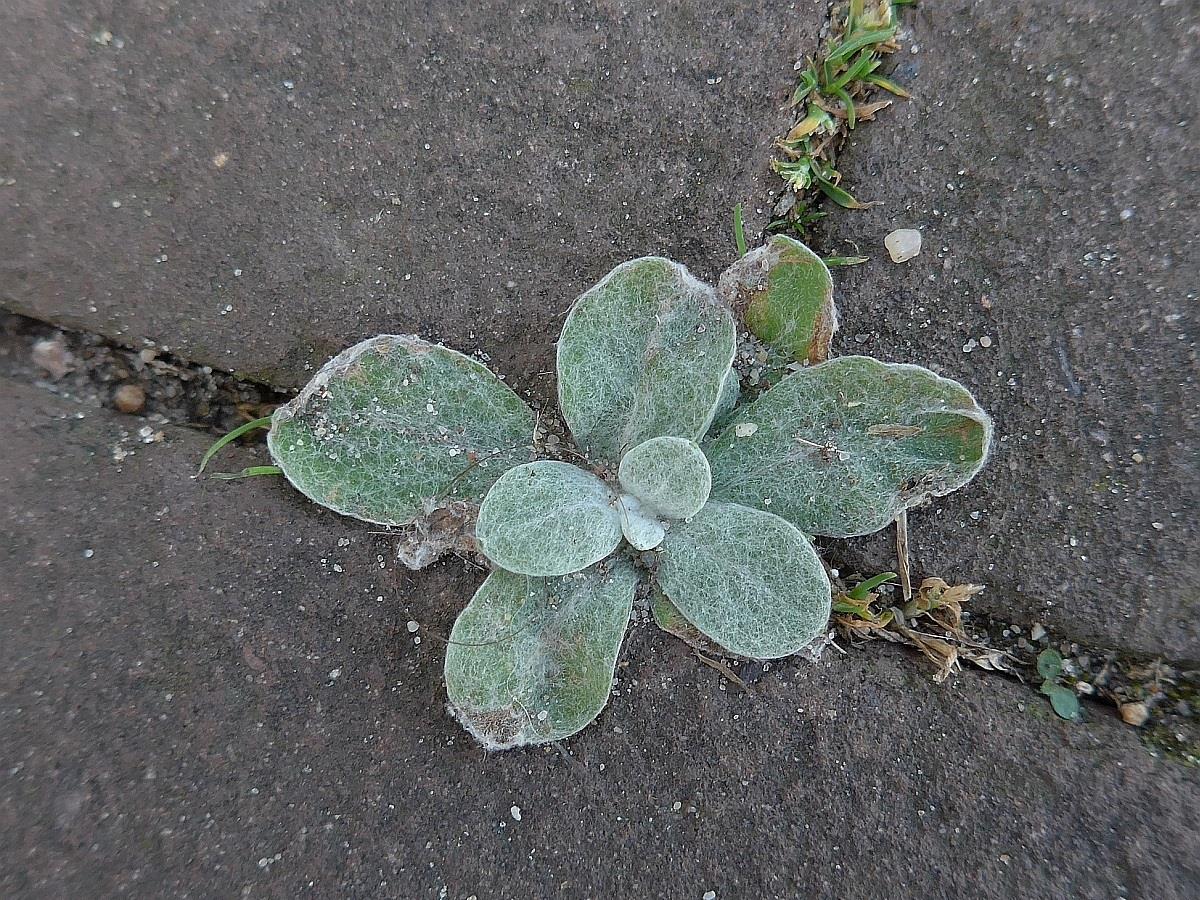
x: 515, y: 811
x: 745, y: 429
x: 903, y: 244
x: 413, y: 626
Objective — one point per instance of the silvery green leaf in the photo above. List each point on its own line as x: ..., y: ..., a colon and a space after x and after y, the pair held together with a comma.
x: 643, y: 354
x: 785, y: 295
x: 746, y: 579
x: 642, y: 530
x: 395, y: 427
x: 669, y: 475
x: 548, y: 518
x: 840, y: 448
x: 531, y: 660
x: 731, y: 392
x: 668, y: 617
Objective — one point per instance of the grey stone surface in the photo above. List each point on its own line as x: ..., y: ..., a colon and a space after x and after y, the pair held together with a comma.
x: 293, y: 177
x: 1057, y: 198
x: 210, y: 691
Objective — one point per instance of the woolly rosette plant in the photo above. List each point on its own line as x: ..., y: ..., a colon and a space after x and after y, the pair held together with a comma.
x: 677, y: 485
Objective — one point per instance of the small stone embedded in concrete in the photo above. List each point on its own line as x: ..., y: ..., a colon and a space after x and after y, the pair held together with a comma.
x: 515, y: 811
x: 1135, y: 714
x: 413, y: 627
x: 903, y: 244
x: 52, y: 356
x: 129, y: 398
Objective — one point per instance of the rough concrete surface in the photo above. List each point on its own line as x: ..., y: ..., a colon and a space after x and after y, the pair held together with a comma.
x: 211, y: 690
x: 293, y: 177
x: 1058, y: 210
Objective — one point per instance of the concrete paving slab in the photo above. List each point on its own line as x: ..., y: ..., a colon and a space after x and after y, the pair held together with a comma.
x: 1058, y: 279
x: 259, y: 185
x: 211, y: 690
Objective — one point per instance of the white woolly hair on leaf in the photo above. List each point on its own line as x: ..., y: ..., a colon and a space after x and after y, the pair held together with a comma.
x: 642, y: 530
x: 747, y: 579
x: 643, y: 353
x: 531, y: 660
x: 841, y: 448
x: 669, y: 475
x: 397, y: 425
x: 548, y: 518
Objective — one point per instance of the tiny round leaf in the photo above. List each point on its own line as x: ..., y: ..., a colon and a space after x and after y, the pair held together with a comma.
x: 670, y: 475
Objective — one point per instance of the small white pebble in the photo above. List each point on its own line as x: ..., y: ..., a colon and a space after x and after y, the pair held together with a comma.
x: 710, y: 895
x: 413, y: 627
x: 89, y: 553
x: 335, y: 674
x: 903, y: 244
x: 970, y: 345
x: 985, y: 342
x: 516, y: 813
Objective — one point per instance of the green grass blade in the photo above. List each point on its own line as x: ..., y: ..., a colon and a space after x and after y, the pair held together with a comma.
x: 739, y: 230
x: 863, y: 39
x: 864, y: 65
x: 863, y: 588
x: 888, y: 85
x: 264, y: 422
x: 248, y: 472
x: 855, y: 13
x: 836, y: 194
x: 848, y: 103
x: 844, y: 260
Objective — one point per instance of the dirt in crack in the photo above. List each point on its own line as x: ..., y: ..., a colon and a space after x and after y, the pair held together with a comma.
x: 93, y: 370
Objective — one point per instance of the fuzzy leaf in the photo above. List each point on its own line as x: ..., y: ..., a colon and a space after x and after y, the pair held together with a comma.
x: 395, y: 427
x: 641, y: 529
x: 643, y: 354
x: 548, y: 518
x: 1064, y: 701
x: 785, y: 294
x: 747, y: 579
x: 731, y: 392
x: 839, y: 449
x: 531, y: 660
x: 668, y: 617
x: 1049, y: 664
x: 669, y: 475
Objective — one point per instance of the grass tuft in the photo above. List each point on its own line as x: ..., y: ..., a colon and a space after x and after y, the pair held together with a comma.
x: 833, y: 94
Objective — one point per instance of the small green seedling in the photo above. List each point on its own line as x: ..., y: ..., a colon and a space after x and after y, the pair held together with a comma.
x: 677, y: 488
x: 1062, y: 698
